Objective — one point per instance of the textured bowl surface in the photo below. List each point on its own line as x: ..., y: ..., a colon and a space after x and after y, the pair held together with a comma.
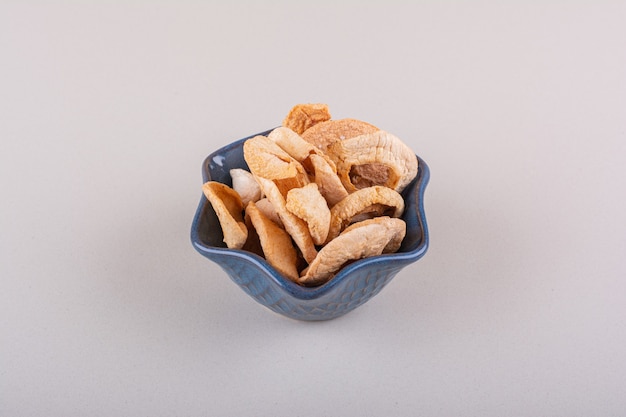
x: 350, y: 288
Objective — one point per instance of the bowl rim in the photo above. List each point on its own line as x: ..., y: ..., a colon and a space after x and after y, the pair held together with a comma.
x: 288, y: 286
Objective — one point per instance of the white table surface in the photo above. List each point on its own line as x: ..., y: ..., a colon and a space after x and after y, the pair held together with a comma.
x: 107, y: 111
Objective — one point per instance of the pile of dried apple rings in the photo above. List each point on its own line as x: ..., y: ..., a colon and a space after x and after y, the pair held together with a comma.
x: 319, y: 194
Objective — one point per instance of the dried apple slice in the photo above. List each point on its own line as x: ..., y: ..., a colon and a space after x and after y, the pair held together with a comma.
x: 276, y: 243
x: 298, y: 148
x: 361, y: 240
x: 377, y: 158
x: 228, y: 207
x: 326, y: 133
x: 396, y: 235
x: 327, y: 180
x: 302, y: 116
x: 295, y: 226
x: 308, y: 204
x: 362, y: 204
x: 268, y: 160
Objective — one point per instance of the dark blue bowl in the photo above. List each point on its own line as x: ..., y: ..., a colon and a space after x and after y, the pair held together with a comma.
x: 351, y: 287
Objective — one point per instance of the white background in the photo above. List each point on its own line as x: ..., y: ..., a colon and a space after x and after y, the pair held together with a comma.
x: 108, y: 109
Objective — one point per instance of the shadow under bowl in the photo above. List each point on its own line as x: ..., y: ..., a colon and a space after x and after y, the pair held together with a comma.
x: 352, y: 286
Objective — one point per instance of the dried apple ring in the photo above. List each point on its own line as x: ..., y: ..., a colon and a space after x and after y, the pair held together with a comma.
x: 298, y: 148
x: 308, y: 204
x: 362, y: 204
x: 377, y: 158
x: 321, y: 168
x: 396, y: 236
x: 268, y: 160
x: 276, y: 243
x: 367, y: 238
x: 326, y: 133
x: 228, y: 207
x: 302, y: 116
x: 295, y: 226
x: 329, y: 184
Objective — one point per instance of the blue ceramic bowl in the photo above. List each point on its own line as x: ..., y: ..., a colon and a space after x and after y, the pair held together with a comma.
x: 350, y: 288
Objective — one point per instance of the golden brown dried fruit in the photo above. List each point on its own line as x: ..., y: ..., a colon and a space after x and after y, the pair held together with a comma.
x: 396, y: 231
x: 318, y: 165
x: 378, y: 158
x: 228, y: 207
x: 298, y: 148
x: 326, y: 133
x: 294, y: 225
x: 332, y: 185
x: 367, y: 238
x: 308, y: 204
x: 327, y: 180
x: 268, y: 160
x: 365, y: 203
x: 302, y: 116
x: 276, y: 243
